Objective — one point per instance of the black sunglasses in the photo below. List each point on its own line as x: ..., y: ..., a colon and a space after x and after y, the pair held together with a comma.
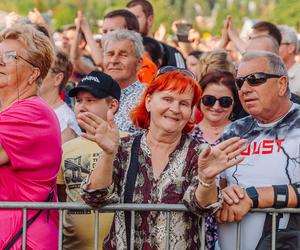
x: 166, y: 69
x: 210, y: 100
x: 254, y: 79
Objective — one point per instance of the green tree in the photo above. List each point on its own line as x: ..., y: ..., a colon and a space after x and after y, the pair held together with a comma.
x: 287, y: 12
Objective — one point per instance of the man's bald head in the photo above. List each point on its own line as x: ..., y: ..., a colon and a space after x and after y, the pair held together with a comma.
x: 263, y: 43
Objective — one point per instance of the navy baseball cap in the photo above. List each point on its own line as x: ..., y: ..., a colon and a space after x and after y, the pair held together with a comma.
x: 99, y: 85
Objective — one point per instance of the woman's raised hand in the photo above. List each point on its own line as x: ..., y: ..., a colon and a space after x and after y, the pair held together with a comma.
x: 104, y: 133
x: 213, y: 160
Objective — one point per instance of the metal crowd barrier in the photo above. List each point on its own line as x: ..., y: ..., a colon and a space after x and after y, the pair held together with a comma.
x: 167, y: 208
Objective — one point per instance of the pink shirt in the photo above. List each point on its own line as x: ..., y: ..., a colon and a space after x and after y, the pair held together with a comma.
x: 30, y: 135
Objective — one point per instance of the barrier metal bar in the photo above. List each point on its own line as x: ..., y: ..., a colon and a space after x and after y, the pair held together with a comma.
x: 96, y: 230
x: 60, y: 229
x: 238, y: 236
x: 79, y: 206
x: 168, y: 208
x: 121, y: 207
x: 132, y: 227
x: 274, y: 231
x: 168, y: 230
x: 24, y: 228
x: 202, y: 233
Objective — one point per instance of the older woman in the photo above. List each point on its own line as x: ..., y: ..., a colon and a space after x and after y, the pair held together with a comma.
x: 168, y: 168
x: 30, y: 144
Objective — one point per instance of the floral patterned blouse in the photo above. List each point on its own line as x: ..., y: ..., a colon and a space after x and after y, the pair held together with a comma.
x: 197, y: 134
x: 176, y: 184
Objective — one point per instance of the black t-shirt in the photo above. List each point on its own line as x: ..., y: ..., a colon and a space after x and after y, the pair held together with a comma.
x: 172, y: 57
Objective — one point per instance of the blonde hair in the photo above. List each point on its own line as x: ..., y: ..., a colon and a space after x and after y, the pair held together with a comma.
x: 38, y: 47
x: 215, y: 61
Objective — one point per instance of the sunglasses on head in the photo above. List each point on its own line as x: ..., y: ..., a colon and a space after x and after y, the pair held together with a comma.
x: 254, y: 79
x: 167, y: 69
x: 210, y: 100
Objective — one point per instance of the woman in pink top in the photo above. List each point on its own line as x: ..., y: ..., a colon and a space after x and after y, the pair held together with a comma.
x: 30, y: 145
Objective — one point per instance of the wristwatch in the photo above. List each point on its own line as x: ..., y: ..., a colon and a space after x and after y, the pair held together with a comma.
x: 253, y: 195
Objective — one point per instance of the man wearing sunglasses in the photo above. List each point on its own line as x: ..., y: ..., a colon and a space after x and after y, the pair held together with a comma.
x: 269, y: 176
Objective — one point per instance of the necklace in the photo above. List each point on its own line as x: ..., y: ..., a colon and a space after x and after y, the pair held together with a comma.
x: 216, y: 130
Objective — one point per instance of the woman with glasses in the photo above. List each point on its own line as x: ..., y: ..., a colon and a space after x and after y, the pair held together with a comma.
x: 30, y: 143
x: 162, y: 165
x: 212, y: 61
x: 219, y: 104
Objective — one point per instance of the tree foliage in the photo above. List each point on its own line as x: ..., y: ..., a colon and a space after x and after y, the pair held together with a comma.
x: 166, y: 11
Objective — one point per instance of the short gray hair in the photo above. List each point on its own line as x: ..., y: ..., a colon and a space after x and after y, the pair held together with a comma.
x: 289, y: 35
x: 275, y: 63
x: 124, y: 34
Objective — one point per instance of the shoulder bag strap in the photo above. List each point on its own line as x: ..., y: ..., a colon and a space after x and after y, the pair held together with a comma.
x: 130, y: 183
x: 29, y: 222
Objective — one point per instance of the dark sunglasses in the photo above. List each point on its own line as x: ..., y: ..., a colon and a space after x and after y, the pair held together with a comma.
x: 254, y: 79
x: 166, y: 69
x: 210, y: 100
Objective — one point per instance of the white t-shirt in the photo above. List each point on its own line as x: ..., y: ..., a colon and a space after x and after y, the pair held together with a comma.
x: 67, y: 119
x: 271, y: 158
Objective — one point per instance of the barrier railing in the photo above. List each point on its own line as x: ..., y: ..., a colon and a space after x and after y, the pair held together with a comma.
x: 167, y: 208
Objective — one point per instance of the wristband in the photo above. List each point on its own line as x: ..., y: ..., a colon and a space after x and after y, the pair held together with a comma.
x: 281, y: 196
x: 296, y: 187
x: 253, y: 195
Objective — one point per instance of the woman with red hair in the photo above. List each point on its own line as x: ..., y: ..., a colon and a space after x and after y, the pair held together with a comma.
x: 169, y: 166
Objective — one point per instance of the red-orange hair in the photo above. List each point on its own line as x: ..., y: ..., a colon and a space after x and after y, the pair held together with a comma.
x: 175, y: 80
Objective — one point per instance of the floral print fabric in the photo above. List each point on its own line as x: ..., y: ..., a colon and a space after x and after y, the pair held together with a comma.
x: 176, y: 184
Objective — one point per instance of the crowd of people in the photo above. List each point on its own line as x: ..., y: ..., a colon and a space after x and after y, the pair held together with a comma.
x: 130, y: 118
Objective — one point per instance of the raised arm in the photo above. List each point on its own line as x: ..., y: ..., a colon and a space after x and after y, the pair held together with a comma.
x: 75, y: 53
x: 97, y: 54
x: 37, y: 18
x: 235, y: 37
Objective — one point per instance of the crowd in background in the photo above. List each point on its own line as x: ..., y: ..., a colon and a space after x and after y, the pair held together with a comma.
x: 83, y: 116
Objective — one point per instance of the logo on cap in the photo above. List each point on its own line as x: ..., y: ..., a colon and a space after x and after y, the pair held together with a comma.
x: 90, y: 78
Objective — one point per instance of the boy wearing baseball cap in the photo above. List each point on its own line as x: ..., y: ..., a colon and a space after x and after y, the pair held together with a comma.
x: 95, y: 93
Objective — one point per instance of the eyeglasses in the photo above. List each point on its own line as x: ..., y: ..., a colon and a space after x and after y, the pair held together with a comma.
x: 167, y: 69
x: 10, y: 56
x: 254, y: 79
x: 210, y: 100
x: 285, y: 43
